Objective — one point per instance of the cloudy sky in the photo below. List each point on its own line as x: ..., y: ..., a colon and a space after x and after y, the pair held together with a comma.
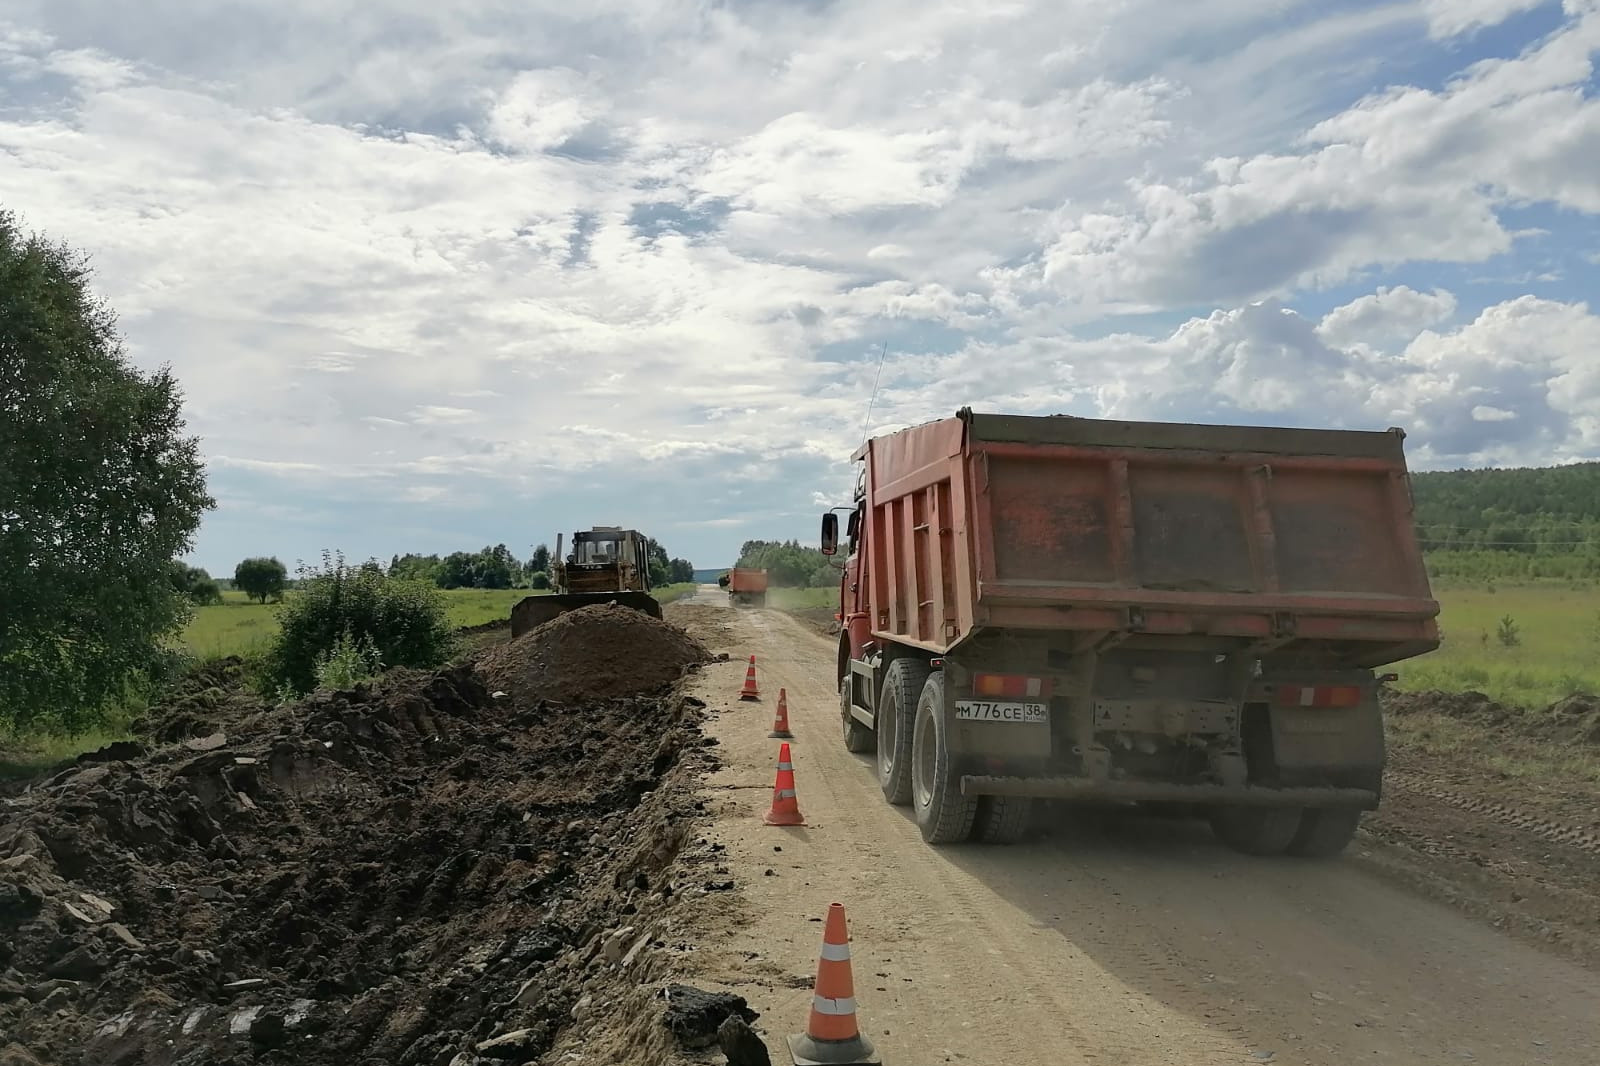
x: 436, y: 275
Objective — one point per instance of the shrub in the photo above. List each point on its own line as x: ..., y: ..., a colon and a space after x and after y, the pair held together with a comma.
x: 393, y: 621
x: 348, y: 663
x: 205, y: 592
x: 1508, y: 633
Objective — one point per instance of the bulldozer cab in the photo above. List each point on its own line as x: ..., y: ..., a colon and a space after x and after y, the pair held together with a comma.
x: 596, y: 549
x: 607, y: 564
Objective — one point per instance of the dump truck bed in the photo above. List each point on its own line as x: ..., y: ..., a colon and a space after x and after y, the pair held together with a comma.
x: 746, y: 579
x: 1282, y: 536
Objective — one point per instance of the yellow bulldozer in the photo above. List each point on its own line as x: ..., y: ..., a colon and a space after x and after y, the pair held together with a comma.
x: 607, y: 564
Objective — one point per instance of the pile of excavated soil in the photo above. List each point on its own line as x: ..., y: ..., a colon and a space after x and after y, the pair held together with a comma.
x: 593, y: 653
x: 213, y: 693
x: 417, y: 873
x: 1573, y: 720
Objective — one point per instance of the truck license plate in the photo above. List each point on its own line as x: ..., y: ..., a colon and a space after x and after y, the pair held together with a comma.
x: 989, y: 711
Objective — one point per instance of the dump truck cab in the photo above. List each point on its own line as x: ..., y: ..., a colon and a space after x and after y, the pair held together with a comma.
x: 1090, y: 610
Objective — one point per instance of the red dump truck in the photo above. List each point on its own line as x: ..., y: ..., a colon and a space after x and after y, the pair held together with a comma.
x: 1079, y: 609
x: 745, y: 586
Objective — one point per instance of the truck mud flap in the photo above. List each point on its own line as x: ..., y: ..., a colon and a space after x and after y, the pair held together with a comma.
x: 1085, y: 789
x: 534, y: 611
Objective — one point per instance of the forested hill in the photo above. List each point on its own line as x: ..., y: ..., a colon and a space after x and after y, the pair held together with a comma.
x: 1546, y: 510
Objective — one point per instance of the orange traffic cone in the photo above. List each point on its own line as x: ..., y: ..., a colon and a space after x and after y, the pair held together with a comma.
x: 832, y: 1037
x: 780, y: 726
x: 785, y: 805
x: 750, y: 692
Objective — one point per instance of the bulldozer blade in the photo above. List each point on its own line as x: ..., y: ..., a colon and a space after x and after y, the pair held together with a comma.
x: 534, y: 611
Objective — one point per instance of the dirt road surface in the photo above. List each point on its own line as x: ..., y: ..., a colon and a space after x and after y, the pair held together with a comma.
x: 1107, y: 940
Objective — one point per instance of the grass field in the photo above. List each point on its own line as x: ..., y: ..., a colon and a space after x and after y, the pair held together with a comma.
x: 1557, y: 651
x: 797, y: 599
x: 238, y: 627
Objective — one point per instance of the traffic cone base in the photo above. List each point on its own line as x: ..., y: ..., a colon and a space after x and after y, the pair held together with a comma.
x: 785, y: 808
x: 809, y: 1052
x: 750, y: 691
x: 832, y: 1037
x: 780, y: 725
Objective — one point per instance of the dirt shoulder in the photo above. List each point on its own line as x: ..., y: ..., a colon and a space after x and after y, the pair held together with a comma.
x: 1497, y: 812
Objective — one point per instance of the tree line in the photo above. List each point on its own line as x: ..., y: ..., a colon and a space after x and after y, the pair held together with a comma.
x: 498, y: 568
x: 1532, y: 511
x: 1532, y: 523
x: 491, y: 567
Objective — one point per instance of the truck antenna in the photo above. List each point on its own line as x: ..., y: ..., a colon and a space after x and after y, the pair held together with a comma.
x: 867, y: 425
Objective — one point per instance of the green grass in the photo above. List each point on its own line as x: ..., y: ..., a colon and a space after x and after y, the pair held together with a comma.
x: 26, y: 757
x: 799, y: 599
x: 238, y: 627
x: 1558, y: 652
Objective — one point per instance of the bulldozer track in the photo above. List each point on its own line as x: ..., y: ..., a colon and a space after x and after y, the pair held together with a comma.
x: 1584, y: 840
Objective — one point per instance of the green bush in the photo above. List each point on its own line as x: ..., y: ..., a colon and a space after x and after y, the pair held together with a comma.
x: 348, y: 663
x: 344, y: 610
x: 205, y: 593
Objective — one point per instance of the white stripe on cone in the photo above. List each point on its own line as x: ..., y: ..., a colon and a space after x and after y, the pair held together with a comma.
x: 833, y: 1006
x: 836, y: 952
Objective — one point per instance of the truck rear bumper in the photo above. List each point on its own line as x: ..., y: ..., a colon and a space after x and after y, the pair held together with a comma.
x: 1083, y: 788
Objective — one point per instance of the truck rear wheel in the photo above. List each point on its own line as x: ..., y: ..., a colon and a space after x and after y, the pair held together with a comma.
x: 1256, y: 830
x: 1324, y: 832
x: 1003, y: 819
x: 895, y: 717
x: 857, y: 737
x: 944, y: 815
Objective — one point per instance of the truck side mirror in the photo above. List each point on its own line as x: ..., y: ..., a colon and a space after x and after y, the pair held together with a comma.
x: 830, y: 534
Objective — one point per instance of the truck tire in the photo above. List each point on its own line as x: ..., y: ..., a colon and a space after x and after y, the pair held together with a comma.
x: 1003, y: 819
x: 1256, y: 830
x: 895, y: 718
x: 944, y: 815
x: 1324, y: 832
x: 857, y: 737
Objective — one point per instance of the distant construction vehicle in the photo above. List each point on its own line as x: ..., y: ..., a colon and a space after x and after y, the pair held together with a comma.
x: 745, y: 586
x: 1078, y: 609
x: 607, y: 564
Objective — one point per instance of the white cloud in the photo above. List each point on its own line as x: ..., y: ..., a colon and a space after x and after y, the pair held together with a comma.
x: 543, y: 109
x: 1390, y: 313
x: 1406, y: 175
x: 1448, y: 18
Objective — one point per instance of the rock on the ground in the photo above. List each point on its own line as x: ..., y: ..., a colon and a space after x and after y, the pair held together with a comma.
x: 694, y: 1015
x: 509, y: 1046
x: 740, y: 1043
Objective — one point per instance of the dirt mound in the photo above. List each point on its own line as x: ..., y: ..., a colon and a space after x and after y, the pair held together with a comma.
x: 211, y: 695
x: 1573, y: 720
x: 413, y: 873
x: 593, y: 653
